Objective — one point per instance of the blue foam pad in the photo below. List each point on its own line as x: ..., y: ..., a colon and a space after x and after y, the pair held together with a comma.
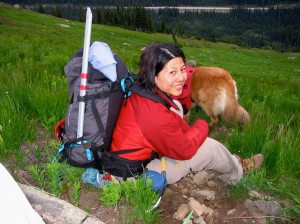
x: 158, y: 180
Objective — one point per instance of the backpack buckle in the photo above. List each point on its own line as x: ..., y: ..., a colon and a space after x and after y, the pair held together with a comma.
x: 125, y: 84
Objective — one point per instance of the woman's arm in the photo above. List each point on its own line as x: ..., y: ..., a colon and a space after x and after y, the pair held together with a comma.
x: 169, y: 134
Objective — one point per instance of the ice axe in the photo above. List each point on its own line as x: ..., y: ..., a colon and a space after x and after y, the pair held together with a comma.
x: 84, y: 72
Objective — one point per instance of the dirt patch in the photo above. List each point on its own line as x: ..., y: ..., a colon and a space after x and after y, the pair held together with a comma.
x: 225, y: 210
x: 180, y: 193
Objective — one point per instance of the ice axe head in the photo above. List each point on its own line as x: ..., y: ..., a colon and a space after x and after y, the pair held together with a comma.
x: 158, y: 180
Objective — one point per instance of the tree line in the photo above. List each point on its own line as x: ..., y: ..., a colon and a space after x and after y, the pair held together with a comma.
x: 154, y: 2
x: 278, y: 29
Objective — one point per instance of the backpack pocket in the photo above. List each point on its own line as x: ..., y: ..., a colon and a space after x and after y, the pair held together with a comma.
x: 78, y: 155
x: 95, y: 115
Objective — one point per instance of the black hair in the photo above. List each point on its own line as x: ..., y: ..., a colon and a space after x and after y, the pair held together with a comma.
x: 153, y: 60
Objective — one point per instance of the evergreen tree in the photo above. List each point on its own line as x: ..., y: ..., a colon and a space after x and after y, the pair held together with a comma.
x: 41, y: 9
x: 57, y: 11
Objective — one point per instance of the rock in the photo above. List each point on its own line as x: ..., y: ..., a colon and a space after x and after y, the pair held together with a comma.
x: 184, y: 191
x: 211, y: 184
x: 261, y: 207
x: 189, y: 185
x: 248, y: 204
x: 255, y: 195
x: 205, y: 194
x: 181, y: 212
x: 251, y: 206
x: 231, y: 211
x: 54, y: 210
x: 211, y: 176
x: 196, y: 206
x: 271, y: 208
x: 199, y: 220
x: 208, y: 195
x: 63, y: 25
x: 195, y: 194
x: 209, y: 218
x: 207, y: 209
x: 201, y: 177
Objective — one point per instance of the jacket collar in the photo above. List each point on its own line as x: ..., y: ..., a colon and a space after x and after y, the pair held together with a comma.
x: 166, y: 97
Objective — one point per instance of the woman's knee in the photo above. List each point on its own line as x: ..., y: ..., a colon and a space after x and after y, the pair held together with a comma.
x: 175, y: 169
x: 208, y: 156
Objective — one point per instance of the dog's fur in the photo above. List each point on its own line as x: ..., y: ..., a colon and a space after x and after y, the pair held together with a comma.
x: 214, y: 90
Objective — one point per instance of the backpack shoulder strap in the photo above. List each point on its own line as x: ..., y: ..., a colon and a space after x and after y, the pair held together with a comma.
x: 154, y: 97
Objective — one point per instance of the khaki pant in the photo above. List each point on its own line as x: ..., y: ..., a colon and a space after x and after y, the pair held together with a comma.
x: 211, y: 155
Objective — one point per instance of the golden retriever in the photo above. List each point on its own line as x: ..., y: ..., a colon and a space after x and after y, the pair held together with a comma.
x: 215, y: 91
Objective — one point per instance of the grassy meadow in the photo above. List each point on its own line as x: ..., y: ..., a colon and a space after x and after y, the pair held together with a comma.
x: 33, y: 92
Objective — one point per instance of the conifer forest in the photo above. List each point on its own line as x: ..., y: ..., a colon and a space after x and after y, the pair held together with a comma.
x: 270, y: 24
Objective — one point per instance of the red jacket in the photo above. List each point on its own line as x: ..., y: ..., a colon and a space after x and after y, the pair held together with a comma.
x: 150, y: 126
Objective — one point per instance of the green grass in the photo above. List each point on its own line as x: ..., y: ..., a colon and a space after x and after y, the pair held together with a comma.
x: 138, y: 196
x: 33, y: 91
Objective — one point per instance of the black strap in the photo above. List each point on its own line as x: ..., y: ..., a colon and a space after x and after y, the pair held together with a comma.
x: 97, y: 118
x: 115, y: 86
x: 120, y: 152
x: 97, y: 158
x: 75, y: 140
x: 142, y: 92
x: 100, y: 95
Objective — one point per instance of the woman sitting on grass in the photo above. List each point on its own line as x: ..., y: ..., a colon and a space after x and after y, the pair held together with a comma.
x: 154, y: 127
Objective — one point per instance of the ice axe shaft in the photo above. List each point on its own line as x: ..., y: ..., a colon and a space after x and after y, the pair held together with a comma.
x: 163, y: 166
x: 84, y: 71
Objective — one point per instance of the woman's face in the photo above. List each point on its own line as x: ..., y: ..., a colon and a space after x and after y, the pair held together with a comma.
x: 172, y: 77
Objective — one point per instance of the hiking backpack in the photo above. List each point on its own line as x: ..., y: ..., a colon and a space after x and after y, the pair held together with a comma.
x: 103, y: 102
x: 102, y: 105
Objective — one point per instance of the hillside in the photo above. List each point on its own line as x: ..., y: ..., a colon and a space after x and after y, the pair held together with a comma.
x: 34, y: 97
x: 259, y: 24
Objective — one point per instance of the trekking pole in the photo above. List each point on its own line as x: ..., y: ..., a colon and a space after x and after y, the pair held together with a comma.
x: 84, y: 71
